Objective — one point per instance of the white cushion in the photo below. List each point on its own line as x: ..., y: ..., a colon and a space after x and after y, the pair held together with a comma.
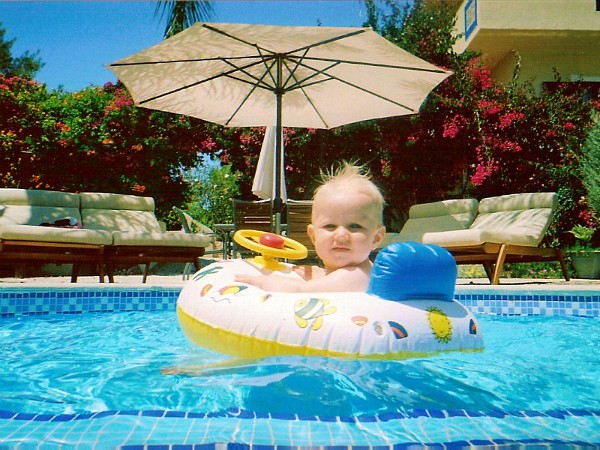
x: 56, y: 235
x: 118, y: 212
x: 445, y: 215
x: 517, y: 219
x: 168, y: 239
x: 33, y: 207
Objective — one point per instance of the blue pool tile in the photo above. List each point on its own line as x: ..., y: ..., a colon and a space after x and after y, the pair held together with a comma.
x: 328, y: 419
x: 44, y: 417
x: 418, y: 413
x: 437, y: 414
x: 457, y: 445
x: 63, y: 418
x: 153, y: 413
x: 556, y: 414
x: 385, y: 417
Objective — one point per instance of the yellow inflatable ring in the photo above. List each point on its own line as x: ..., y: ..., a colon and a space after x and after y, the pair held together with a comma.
x: 409, y: 310
x: 251, y: 239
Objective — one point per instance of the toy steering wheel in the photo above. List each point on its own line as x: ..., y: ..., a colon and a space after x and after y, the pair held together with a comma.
x: 270, y: 245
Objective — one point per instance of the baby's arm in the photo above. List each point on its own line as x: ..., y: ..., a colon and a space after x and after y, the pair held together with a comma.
x: 350, y: 279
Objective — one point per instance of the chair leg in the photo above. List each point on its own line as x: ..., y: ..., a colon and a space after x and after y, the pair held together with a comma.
x: 499, y: 264
x: 563, y: 264
x: 74, y: 272
x: 100, y: 269
x: 186, y: 271
x: 146, y: 272
x: 489, y: 270
x: 110, y: 272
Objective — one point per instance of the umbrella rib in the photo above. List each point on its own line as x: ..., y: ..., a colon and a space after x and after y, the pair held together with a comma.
x: 371, y: 64
x: 254, y: 87
x: 327, y: 41
x: 305, y: 48
x: 176, y: 61
x: 258, y: 80
x: 198, y: 83
x: 300, y: 84
x: 333, y: 77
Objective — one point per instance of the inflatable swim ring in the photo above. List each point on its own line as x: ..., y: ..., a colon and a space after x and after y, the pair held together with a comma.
x: 407, y: 311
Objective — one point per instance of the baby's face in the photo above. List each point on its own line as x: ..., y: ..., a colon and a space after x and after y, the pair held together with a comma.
x: 345, y: 228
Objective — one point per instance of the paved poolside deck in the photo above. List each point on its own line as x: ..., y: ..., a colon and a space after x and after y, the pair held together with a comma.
x: 172, y: 276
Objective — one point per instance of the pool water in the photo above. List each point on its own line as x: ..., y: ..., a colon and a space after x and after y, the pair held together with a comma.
x: 73, y: 364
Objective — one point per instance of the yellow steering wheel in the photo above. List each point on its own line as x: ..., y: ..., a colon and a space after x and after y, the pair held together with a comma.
x: 270, y: 245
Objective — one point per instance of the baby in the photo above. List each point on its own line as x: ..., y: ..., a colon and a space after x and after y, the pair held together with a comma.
x: 347, y: 224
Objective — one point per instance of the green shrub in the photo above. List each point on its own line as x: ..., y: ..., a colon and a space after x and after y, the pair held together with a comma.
x: 211, y: 190
x: 590, y: 167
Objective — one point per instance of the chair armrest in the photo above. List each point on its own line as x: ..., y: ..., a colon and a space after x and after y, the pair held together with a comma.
x: 193, y: 226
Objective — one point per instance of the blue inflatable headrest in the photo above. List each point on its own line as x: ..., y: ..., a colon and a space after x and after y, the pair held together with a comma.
x: 409, y: 271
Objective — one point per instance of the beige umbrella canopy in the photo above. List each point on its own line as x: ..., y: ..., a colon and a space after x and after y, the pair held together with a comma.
x: 262, y: 75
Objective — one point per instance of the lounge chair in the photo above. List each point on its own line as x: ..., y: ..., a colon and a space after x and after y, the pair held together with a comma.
x: 138, y: 237
x: 190, y: 225
x: 41, y: 226
x: 508, y: 228
x: 298, y: 218
x: 253, y: 215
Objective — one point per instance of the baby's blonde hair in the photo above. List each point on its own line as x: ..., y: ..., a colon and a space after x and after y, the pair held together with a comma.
x: 353, y: 178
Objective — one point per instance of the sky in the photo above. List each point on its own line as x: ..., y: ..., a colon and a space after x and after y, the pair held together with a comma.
x: 77, y: 39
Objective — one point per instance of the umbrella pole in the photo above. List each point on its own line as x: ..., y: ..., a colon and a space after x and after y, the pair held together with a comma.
x: 278, y: 201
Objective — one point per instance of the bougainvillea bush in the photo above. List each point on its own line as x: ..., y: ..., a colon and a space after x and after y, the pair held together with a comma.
x: 478, y: 137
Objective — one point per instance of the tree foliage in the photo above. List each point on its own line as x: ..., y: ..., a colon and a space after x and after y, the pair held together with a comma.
x: 182, y: 14
x: 24, y: 66
x: 590, y: 168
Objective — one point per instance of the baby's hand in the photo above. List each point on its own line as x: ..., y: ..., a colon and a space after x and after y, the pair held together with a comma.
x: 255, y: 280
x: 304, y: 272
x: 273, y: 283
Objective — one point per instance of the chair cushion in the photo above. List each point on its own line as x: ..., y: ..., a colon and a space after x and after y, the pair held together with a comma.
x: 518, y: 219
x: 168, y: 239
x: 118, y: 212
x: 56, y: 235
x: 34, y: 207
x: 445, y: 215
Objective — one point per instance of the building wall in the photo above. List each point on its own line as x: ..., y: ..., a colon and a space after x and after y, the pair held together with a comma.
x: 547, y: 34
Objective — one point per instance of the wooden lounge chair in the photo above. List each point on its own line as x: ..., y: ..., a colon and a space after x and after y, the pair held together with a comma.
x: 40, y: 226
x: 138, y: 237
x: 251, y: 215
x: 508, y: 228
x: 298, y: 218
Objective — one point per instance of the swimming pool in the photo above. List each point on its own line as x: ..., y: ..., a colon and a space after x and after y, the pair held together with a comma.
x: 90, y: 394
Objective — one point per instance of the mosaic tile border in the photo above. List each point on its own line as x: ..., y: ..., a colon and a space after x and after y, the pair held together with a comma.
x: 15, y: 301
x: 569, y: 429
x: 537, y: 303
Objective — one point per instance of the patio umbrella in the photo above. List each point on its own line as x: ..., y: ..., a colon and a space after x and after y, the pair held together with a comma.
x: 263, y: 75
x: 264, y: 178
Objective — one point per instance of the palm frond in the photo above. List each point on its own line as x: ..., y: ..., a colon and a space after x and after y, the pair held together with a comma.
x: 181, y: 14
